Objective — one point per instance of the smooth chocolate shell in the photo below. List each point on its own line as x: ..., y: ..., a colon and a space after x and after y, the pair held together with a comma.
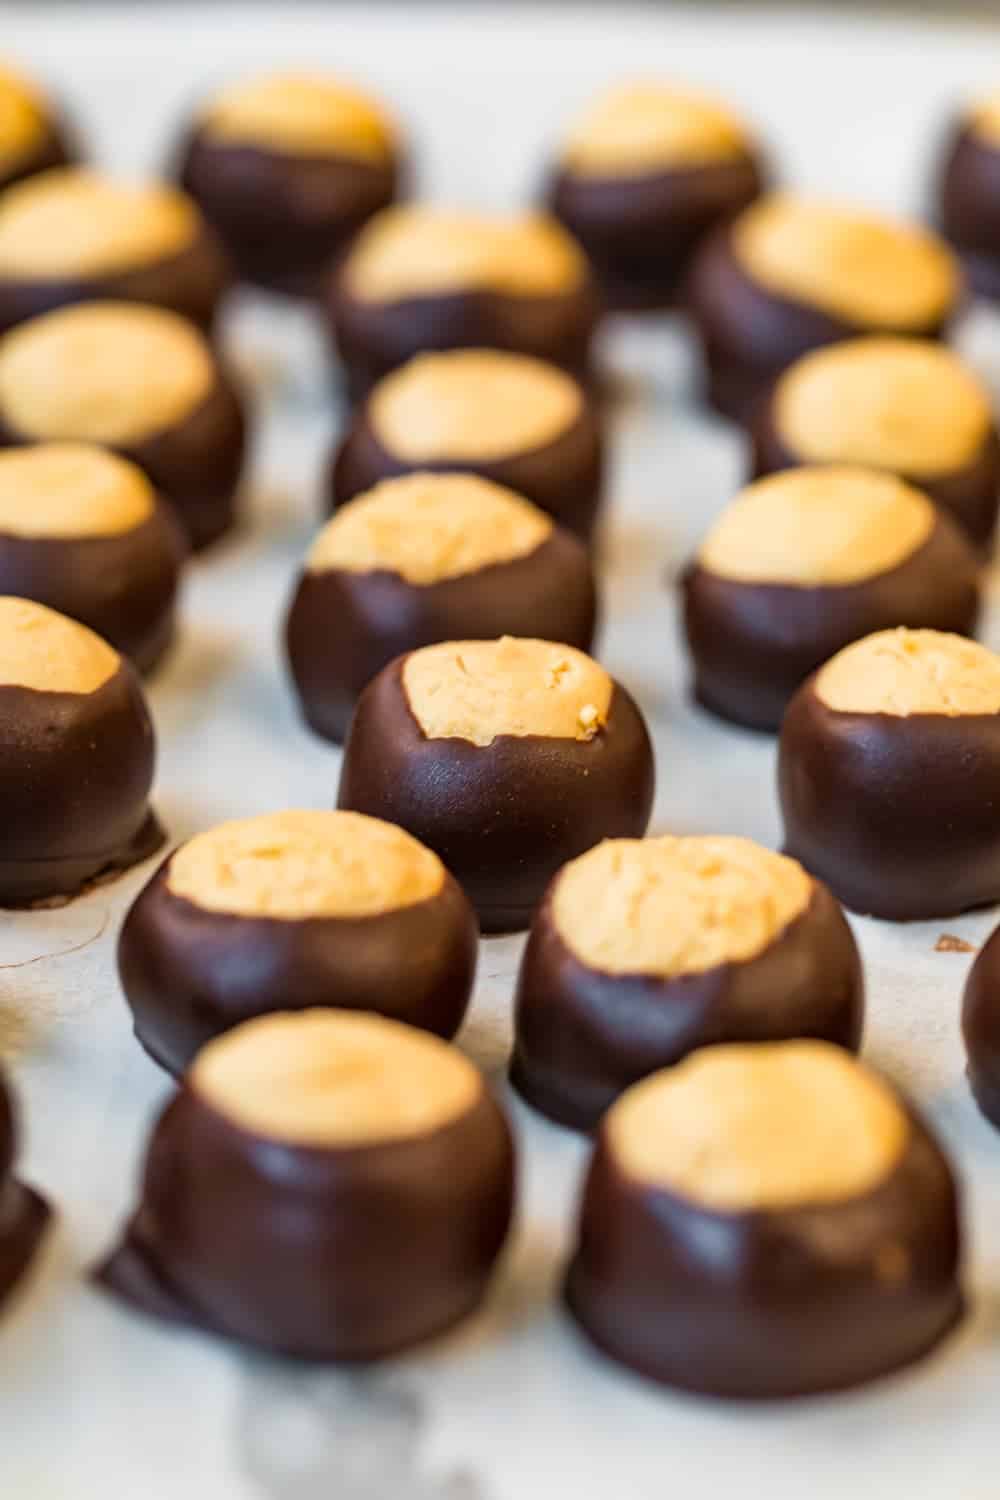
x: 195, y: 463
x: 971, y: 495
x: 981, y: 1028
x: 749, y: 334
x: 123, y: 586
x: 283, y: 218
x: 24, y: 1214
x: 323, y: 1254
x: 191, y: 282
x: 899, y: 816
x: 344, y: 627
x: 75, y: 775
x: 754, y: 644
x: 56, y: 148
x: 969, y: 208
x: 640, y: 233
x: 565, y: 477
x: 190, y: 974
x: 776, y: 1303
x: 373, y: 338
x: 503, y: 817
x: 583, y: 1035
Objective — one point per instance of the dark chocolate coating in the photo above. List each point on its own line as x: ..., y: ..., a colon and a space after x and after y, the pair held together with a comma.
x: 981, y: 1028
x: 195, y: 463
x: 56, y: 148
x: 582, y: 1035
x: 24, y: 1214
x: 323, y: 1254
x: 754, y: 644
x: 968, y: 207
x: 749, y: 334
x: 970, y: 494
x: 283, y: 218
x: 900, y: 816
x: 192, y: 282
x: 190, y: 974
x: 373, y: 338
x: 640, y: 233
x: 769, y: 1303
x: 344, y: 627
x: 75, y: 775
x: 503, y: 816
x: 565, y: 477
x: 124, y: 585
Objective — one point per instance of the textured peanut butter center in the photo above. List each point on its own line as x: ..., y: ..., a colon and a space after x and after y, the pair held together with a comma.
x: 334, y: 1079
x: 475, y: 690
x: 670, y: 906
x: 818, y: 527
x: 23, y: 118
x: 44, y: 650
x: 904, y: 672
x: 103, y: 372
x: 472, y: 405
x: 766, y: 1126
x: 909, y: 405
x: 984, y: 120
x: 70, y: 490
x: 414, y: 251
x: 647, y: 127
x: 74, y: 222
x: 851, y: 265
x: 300, y: 864
x: 428, y: 527
x: 303, y: 114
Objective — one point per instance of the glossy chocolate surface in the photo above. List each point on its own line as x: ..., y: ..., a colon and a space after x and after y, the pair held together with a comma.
x: 320, y: 1253
x: 195, y: 463
x: 189, y: 973
x: 971, y: 494
x: 770, y: 1303
x: 565, y: 478
x: 899, y: 816
x: 191, y: 282
x: 582, y: 1035
x: 969, y: 208
x: 753, y: 644
x: 373, y: 338
x: 75, y: 776
x: 749, y: 334
x: 640, y: 232
x: 503, y: 817
x: 122, y: 585
x: 981, y: 1028
x: 344, y: 627
x: 24, y: 1214
x: 283, y: 218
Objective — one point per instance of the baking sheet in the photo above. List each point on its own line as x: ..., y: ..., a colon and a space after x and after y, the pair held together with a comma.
x: 95, y: 1402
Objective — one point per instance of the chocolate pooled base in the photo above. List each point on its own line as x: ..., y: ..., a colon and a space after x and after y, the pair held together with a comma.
x: 344, y: 627
x: 900, y: 816
x: 75, y: 775
x: 582, y: 1035
x: 372, y: 338
x: 565, y: 477
x: 24, y: 1214
x: 195, y: 463
x: 191, y: 282
x: 318, y: 1253
x: 503, y: 817
x: 770, y: 1303
x: 640, y: 233
x: 971, y: 495
x: 754, y: 644
x: 283, y: 218
x: 969, y: 209
x: 122, y: 585
x: 190, y: 974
